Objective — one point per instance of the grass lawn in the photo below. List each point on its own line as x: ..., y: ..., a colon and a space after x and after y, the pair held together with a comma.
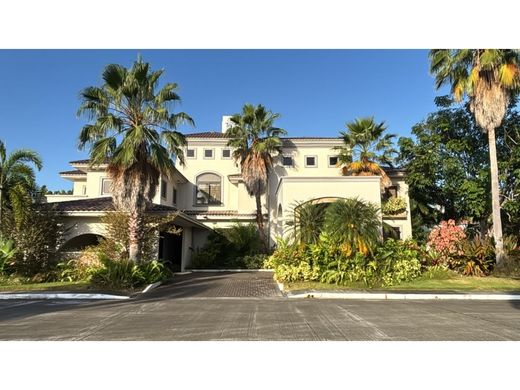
x: 57, y: 286
x: 452, y: 284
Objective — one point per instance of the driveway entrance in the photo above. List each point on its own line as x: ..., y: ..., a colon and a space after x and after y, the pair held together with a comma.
x: 219, y: 285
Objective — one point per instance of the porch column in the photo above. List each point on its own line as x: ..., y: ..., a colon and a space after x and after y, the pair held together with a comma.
x: 187, y: 243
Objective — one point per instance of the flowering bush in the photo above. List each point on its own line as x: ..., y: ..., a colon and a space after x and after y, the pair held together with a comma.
x: 445, y: 239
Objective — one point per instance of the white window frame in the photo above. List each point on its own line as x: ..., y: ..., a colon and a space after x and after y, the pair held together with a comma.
x: 222, y: 154
x: 212, y: 154
x: 328, y: 161
x: 288, y: 156
x: 315, y: 161
x: 103, y: 179
x: 221, y: 183
x: 194, y: 153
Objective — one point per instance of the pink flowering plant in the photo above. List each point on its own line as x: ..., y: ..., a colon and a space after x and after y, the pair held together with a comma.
x: 446, y: 240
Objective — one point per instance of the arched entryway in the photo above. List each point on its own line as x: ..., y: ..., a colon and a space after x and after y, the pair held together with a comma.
x: 79, y: 243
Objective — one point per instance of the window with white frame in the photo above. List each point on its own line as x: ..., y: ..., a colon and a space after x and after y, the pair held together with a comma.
x: 106, y: 186
x: 287, y: 161
x: 333, y: 161
x: 311, y: 161
x: 208, y: 189
x: 208, y: 153
x: 191, y: 153
x: 226, y: 153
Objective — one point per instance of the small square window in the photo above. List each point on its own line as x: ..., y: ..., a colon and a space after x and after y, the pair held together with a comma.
x: 310, y: 161
x: 190, y: 153
x: 164, y: 189
x: 208, y: 153
x: 287, y: 161
x: 226, y: 153
x: 333, y: 161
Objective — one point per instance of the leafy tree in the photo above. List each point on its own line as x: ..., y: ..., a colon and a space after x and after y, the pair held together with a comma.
x: 17, y: 179
x: 134, y: 131
x: 489, y: 78
x: 365, y: 149
x: 254, y: 140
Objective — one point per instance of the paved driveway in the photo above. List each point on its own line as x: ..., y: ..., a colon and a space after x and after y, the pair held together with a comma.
x: 219, y: 285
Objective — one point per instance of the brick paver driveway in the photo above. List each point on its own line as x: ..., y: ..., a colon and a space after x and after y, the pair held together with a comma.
x: 219, y: 285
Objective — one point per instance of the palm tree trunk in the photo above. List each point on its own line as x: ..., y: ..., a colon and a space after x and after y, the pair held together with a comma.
x: 1, y: 190
x: 135, y: 230
x: 260, y: 221
x: 495, y: 197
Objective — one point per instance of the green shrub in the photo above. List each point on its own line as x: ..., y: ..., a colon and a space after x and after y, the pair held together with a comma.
x: 227, y: 248
x: 123, y: 274
x: 476, y: 257
x: 398, y: 261
x: 7, y: 252
x: 252, y: 261
x: 438, y: 272
x: 393, y: 206
x: 306, y: 222
x: 293, y: 273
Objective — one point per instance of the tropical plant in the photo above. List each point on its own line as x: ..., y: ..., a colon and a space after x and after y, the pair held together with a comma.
x: 355, y: 224
x: 17, y: 179
x: 7, y: 252
x: 254, y: 140
x: 365, y: 149
x: 476, y: 257
x: 398, y: 261
x: 393, y: 206
x: 306, y: 222
x: 135, y: 133
x: 445, y: 239
x: 489, y: 77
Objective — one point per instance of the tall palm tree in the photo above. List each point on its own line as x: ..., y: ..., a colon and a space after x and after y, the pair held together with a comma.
x: 17, y: 178
x: 134, y: 132
x: 254, y: 139
x: 489, y: 78
x: 365, y: 149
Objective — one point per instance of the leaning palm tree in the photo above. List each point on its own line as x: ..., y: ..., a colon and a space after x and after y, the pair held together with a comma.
x: 254, y: 139
x: 134, y: 132
x: 489, y: 78
x: 17, y: 178
x: 365, y: 149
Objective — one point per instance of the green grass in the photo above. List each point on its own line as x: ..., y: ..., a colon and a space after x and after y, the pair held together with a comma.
x: 52, y: 286
x: 454, y: 283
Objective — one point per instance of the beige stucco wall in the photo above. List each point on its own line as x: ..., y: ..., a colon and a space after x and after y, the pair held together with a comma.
x: 78, y: 225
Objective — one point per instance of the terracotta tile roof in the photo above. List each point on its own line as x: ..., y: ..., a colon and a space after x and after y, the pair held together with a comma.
x: 224, y: 213
x: 83, y: 162
x: 74, y: 172
x: 207, y: 134
x: 95, y: 204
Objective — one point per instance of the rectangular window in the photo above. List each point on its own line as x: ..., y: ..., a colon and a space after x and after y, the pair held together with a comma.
x: 391, y: 192
x: 311, y: 161
x: 106, y: 185
x: 84, y: 189
x: 174, y: 196
x: 190, y: 153
x: 287, y: 161
x: 208, y: 153
x: 226, y: 153
x: 164, y: 189
x: 333, y: 161
x: 392, y: 232
x: 208, y: 193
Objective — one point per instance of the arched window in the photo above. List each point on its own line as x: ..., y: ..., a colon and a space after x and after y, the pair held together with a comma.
x: 209, y: 189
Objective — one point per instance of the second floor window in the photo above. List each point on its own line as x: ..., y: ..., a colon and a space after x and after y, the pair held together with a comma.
x: 208, y: 189
x: 310, y: 161
x: 164, y: 189
x: 106, y: 186
x: 208, y: 153
x: 287, y: 161
x: 190, y: 153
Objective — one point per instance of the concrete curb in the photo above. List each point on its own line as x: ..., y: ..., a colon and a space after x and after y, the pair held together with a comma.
x: 151, y: 287
x: 6, y: 296
x: 232, y: 270
x: 397, y: 296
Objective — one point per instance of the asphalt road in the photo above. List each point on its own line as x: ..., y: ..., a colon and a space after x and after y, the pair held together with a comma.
x: 163, y: 317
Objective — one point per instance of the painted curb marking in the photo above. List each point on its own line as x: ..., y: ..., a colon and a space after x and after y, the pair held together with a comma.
x: 392, y: 296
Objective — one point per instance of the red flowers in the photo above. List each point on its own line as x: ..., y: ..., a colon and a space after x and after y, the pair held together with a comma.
x: 446, y: 237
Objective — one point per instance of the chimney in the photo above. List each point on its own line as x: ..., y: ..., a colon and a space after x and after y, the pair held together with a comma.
x: 226, y: 123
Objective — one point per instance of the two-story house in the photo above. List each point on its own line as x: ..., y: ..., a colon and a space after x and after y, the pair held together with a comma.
x: 208, y: 192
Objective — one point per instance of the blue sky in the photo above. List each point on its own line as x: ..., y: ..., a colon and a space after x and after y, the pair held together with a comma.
x: 315, y: 91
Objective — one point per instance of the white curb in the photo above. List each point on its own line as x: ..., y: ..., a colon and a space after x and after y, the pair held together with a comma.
x: 397, y: 296
x: 232, y: 270
x: 151, y: 287
x: 60, y: 296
